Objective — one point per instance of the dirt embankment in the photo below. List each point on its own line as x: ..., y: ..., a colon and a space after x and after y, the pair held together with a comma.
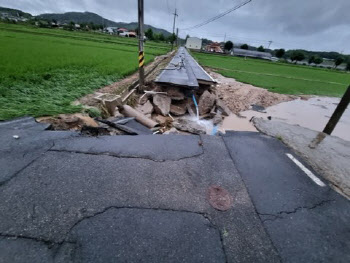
x: 120, y: 86
x: 240, y: 96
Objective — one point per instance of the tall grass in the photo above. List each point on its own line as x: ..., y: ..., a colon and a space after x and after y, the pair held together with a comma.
x: 279, y: 77
x: 41, y: 74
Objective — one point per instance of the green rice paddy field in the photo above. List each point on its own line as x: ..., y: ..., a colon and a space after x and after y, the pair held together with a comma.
x: 42, y: 71
x: 278, y: 77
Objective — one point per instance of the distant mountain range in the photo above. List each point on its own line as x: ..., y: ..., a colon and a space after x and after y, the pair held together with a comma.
x: 82, y: 17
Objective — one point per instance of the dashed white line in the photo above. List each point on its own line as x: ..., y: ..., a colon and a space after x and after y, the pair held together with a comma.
x: 307, y: 171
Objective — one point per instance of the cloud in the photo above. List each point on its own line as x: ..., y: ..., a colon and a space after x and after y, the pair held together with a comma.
x: 312, y: 24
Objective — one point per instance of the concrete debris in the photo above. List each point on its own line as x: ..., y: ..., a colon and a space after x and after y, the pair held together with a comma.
x: 222, y: 107
x: 217, y: 118
x: 146, y: 108
x: 178, y: 109
x: 191, y: 126
x: 161, y: 104
x: 206, y: 102
x: 175, y: 93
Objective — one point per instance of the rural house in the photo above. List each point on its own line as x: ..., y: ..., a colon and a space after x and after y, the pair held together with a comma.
x: 194, y: 43
x: 214, y: 47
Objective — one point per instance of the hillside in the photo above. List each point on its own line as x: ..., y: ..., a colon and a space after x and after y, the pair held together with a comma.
x: 14, y: 12
x: 88, y: 17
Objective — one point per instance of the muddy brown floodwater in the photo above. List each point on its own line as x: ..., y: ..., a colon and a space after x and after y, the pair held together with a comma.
x: 313, y: 114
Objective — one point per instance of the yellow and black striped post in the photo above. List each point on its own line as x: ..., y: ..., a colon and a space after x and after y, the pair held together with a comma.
x: 141, y: 59
x: 141, y: 46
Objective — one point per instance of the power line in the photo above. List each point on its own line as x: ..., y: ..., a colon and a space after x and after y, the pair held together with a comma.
x: 218, y: 16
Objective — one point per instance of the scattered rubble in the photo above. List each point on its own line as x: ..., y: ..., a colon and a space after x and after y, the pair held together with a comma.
x: 165, y: 107
x: 161, y: 104
x: 206, y: 102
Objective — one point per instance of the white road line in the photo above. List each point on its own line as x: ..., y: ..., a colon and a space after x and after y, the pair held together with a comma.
x: 305, y: 170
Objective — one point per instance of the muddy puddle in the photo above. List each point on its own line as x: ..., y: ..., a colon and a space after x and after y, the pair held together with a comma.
x: 313, y: 114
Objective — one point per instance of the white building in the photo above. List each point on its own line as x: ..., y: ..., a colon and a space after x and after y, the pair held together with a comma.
x: 194, y: 43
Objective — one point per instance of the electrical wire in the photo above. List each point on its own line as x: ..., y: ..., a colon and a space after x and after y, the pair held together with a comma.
x: 218, y: 16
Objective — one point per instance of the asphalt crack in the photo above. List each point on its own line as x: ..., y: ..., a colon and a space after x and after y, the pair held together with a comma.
x: 282, y: 214
x: 129, y: 156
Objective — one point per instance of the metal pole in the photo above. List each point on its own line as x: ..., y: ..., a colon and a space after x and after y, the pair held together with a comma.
x: 177, y: 36
x: 172, y: 42
x: 343, y: 104
x: 141, y: 46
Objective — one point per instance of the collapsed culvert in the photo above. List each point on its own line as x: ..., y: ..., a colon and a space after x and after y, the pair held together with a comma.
x: 181, y: 99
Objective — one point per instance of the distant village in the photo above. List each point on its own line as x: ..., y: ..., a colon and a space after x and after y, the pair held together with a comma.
x: 193, y: 43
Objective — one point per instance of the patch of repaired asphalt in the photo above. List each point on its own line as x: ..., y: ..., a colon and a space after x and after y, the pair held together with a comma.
x: 47, y: 199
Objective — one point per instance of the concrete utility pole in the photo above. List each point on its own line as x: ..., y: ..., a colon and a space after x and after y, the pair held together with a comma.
x: 225, y: 38
x: 333, y: 121
x: 270, y: 42
x: 175, y: 15
x: 177, y: 36
x: 343, y: 104
x: 141, y: 45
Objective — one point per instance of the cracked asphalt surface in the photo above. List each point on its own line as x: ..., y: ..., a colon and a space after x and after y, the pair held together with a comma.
x: 68, y: 198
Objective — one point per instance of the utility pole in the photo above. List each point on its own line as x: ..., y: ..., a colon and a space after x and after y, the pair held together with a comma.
x: 175, y: 15
x: 225, y: 38
x: 141, y: 45
x: 270, y: 42
x: 177, y: 36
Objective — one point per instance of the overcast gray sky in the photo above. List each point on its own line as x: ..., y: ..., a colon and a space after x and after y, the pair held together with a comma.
x: 309, y: 24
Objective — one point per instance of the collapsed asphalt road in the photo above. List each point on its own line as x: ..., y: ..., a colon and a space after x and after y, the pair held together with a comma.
x: 67, y: 198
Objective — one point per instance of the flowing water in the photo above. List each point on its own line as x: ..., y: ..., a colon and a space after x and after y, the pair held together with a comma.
x: 312, y: 114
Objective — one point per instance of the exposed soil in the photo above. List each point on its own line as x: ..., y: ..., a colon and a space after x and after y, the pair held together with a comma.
x: 240, y: 96
x: 120, y: 86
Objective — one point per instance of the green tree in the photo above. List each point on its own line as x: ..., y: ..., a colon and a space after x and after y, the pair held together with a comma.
x: 228, y: 45
x: 244, y: 46
x: 261, y: 49
x: 172, y: 38
x: 161, y: 37
x: 149, y: 34
x: 280, y: 53
x: 311, y: 60
x: 297, y: 56
x: 318, y: 60
x: 338, y: 61
x: 348, y: 65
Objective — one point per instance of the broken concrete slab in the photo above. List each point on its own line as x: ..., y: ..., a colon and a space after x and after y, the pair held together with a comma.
x: 146, y: 108
x: 206, y: 102
x: 175, y: 93
x: 189, y: 125
x: 222, y: 106
x: 330, y: 158
x: 178, y: 109
x: 161, y: 104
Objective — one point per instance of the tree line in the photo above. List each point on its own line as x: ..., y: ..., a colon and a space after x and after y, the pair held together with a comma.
x: 298, y: 55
